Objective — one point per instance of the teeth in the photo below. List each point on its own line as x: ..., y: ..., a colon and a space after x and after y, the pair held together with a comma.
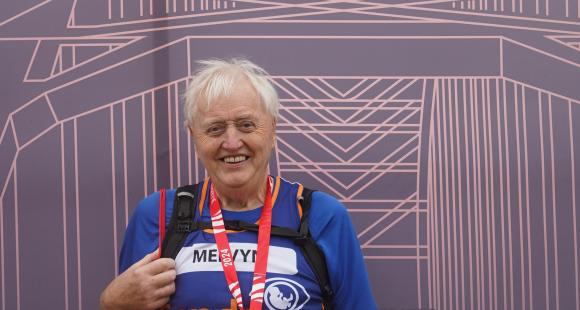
x: 234, y: 159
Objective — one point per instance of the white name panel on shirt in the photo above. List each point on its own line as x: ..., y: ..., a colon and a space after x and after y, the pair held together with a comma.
x: 205, y: 257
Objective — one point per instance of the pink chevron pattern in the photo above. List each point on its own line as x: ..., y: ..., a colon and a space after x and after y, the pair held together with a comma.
x: 368, y: 113
x: 365, y: 112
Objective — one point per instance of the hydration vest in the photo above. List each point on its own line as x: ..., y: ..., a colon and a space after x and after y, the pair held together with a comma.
x: 183, y: 222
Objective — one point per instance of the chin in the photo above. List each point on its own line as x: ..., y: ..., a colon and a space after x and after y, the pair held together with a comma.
x: 235, y: 184
x: 235, y: 181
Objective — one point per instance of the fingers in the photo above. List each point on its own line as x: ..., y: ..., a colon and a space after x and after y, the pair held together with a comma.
x: 158, y: 266
x: 147, y: 284
x: 162, y: 295
x: 167, y: 290
x: 157, y: 274
x: 165, y: 278
x: 146, y: 259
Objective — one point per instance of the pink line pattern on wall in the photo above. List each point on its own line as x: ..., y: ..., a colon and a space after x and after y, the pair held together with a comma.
x: 538, y: 8
x: 503, y: 218
x: 50, y: 60
x: 451, y: 135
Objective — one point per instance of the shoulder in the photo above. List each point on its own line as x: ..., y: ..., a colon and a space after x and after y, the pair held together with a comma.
x: 324, y: 207
x: 148, y: 205
x: 327, y: 205
x: 141, y: 234
x: 148, y: 208
x: 321, y: 203
x: 327, y: 216
x: 335, y: 235
x: 327, y: 202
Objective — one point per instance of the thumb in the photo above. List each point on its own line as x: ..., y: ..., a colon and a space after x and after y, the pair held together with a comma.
x: 146, y: 259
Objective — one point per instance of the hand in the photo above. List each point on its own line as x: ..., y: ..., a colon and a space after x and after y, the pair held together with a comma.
x: 147, y: 284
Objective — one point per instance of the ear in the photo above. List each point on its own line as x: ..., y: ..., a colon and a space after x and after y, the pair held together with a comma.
x: 192, y: 136
x: 274, y: 123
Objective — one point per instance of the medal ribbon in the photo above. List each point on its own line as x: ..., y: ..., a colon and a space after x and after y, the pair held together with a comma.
x: 225, y: 252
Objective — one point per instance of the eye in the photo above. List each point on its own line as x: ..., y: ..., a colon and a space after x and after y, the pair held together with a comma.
x: 246, y: 126
x: 215, y: 130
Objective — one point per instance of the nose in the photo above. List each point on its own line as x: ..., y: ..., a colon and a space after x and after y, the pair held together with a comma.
x: 232, y: 139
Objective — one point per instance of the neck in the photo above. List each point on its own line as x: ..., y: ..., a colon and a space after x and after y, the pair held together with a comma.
x: 241, y: 199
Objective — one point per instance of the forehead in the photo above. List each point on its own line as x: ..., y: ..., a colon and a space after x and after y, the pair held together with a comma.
x: 242, y: 100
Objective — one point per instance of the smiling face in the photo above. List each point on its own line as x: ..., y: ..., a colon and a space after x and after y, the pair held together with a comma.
x: 234, y: 137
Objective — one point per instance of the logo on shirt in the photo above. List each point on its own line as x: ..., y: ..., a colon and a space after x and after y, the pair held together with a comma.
x: 284, y: 294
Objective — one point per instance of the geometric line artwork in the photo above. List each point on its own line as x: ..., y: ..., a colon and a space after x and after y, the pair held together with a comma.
x: 139, y: 139
x: 123, y: 12
x: 75, y: 146
x: 572, y: 41
x: 312, y: 114
x: 537, y: 9
x: 333, y: 134
x: 23, y: 9
x: 52, y: 58
x: 448, y: 128
x: 348, y: 132
x: 128, y: 10
x: 438, y: 224
x: 499, y: 194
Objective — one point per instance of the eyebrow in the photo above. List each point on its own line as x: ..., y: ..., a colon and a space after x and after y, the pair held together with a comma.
x: 215, y: 120
x: 212, y: 121
x: 219, y: 120
x: 245, y: 116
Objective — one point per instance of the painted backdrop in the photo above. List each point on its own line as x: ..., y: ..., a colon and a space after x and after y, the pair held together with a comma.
x: 449, y: 128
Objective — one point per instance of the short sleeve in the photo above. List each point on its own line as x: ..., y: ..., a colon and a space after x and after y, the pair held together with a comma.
x: 141, y: 235
x: 332, y: 229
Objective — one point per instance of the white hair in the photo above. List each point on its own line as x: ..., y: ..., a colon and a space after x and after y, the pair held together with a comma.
x: 216, y: 77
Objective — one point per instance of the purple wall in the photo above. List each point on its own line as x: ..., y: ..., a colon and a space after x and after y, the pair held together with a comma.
x: 450, y: 129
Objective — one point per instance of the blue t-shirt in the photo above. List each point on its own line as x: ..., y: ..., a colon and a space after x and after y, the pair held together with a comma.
x: 290, y: 283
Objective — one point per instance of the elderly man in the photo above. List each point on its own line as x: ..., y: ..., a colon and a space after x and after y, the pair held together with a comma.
x: 231, y: 110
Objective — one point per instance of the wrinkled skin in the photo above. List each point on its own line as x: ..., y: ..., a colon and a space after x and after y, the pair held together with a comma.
x: 234, y: 138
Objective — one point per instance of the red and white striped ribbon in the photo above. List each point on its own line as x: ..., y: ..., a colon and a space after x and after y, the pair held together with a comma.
x: 225, y: 252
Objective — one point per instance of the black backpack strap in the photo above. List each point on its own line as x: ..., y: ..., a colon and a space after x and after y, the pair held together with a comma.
x: 181, y: 223
x: 313, y: 254
x: 279, y: 231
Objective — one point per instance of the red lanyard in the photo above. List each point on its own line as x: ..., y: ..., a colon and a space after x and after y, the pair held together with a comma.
x: 226, y: 257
